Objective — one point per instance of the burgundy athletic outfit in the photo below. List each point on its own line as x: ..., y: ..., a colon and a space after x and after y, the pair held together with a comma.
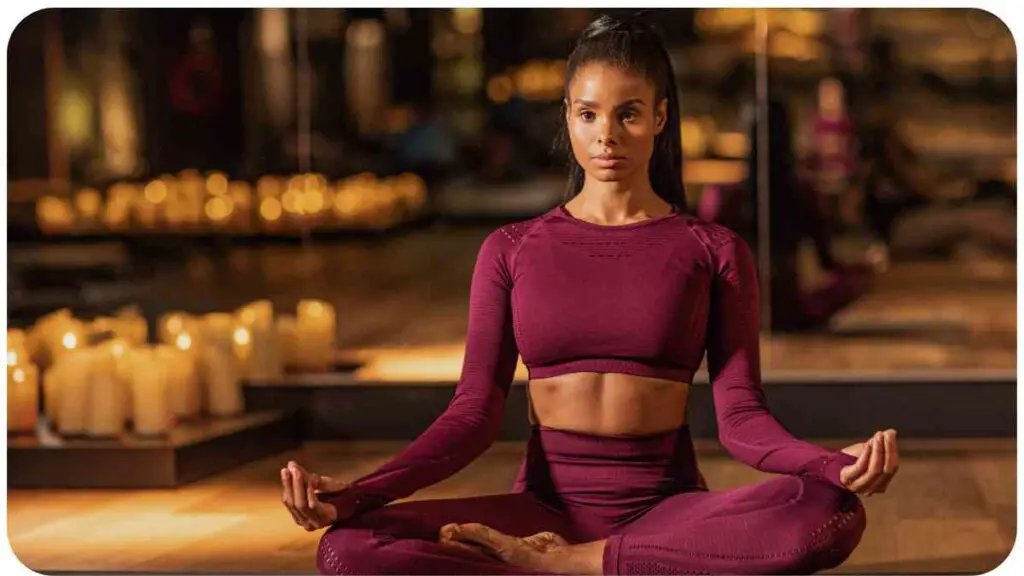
x: 649, y: 299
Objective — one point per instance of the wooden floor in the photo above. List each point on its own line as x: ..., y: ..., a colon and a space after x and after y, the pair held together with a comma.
x: 951, y: 509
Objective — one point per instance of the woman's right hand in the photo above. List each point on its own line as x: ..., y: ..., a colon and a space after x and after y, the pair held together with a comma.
x: 299, y: 494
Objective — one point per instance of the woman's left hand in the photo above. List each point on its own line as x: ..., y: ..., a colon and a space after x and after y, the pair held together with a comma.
x: 877, y: 462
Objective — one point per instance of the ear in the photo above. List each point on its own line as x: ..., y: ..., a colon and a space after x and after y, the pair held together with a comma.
x: 660, y: 116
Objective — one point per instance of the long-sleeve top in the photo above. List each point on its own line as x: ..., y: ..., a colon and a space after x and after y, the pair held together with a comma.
x: 648, y: 298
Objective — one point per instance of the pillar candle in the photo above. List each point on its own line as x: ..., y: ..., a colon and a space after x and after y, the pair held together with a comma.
x: 223, y: 384
x: 187, y: 402
x: 22, y: 398
x: 315, y: 329
x: 169, y: 326
x: 261, y: 356
x: 17, y: 351
x: 51, y: 394
x: 132, y: 326
x: 120, y: 351
x: 72, y: 391
x: 151, y: 408
x: 105, y: 413
x: 218, y: 330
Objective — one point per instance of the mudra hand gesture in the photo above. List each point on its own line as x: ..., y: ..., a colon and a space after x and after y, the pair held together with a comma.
x: 300, y: 489
x: 877, y: 462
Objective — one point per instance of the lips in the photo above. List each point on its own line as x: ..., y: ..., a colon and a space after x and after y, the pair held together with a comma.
x: 607, y: 161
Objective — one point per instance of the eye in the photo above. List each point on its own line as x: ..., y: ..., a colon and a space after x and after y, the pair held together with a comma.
x: 628, y: 116
x: 587, y: 115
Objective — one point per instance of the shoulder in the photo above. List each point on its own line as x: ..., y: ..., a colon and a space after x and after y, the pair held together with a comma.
x: 712, y: 235
x: 503, y: 243
x: 507, y: 238
x: 724, y: 246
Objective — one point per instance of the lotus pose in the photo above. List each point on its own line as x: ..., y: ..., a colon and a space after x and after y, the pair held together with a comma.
x: 612, y: 299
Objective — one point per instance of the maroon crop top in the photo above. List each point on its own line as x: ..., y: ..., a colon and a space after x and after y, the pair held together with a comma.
x: 645, y: 298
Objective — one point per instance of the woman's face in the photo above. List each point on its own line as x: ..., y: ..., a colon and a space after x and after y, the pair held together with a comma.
x: 613, y: 119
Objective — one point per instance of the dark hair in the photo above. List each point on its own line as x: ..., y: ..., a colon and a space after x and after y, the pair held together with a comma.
x: 637, y: 47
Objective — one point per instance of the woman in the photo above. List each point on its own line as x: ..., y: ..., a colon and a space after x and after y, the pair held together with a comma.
x: 611, y: 299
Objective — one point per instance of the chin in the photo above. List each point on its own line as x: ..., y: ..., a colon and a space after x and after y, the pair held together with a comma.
x: 609, y: 174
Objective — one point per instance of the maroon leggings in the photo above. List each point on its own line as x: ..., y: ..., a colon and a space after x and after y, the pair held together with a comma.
x: 642, y: 494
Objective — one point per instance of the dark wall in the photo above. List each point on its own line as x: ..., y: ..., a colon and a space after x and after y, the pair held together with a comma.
x: 26, y: 100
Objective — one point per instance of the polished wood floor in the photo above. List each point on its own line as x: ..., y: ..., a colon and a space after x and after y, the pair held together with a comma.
x: 952, y: 509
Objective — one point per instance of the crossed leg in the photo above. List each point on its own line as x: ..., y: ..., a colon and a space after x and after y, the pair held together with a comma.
x: 404, y: 538
x: 786, y: 525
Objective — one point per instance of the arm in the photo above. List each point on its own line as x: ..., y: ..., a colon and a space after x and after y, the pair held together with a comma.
x: 471, y: 422
x: 745, y: 426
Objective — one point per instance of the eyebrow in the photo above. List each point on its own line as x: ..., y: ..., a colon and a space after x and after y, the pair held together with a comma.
x: 620, y: 105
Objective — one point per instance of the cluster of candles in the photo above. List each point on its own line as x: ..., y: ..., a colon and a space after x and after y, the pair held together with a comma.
x: 102, y: 377
x: 194, y: 203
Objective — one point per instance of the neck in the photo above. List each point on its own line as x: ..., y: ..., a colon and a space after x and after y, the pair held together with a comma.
x: 617, y: 202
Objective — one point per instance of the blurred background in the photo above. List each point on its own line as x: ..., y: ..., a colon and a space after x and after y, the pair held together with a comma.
x: 193, y: 192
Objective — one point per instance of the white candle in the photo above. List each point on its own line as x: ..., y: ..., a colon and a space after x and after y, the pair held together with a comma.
x: 151, y: 409
x: 170, y: 325
x: 22, y: 398
x: 218, y: 330
x: 17, y: 352
x: 260, y: 356
x: 120, y: 351
x: 73, y: 391
x: 315, y: 332
x: 286, y: 326
x: 105, y: 415
x: 132, y: 326
x: 51, y: 394
x: 223, y: 386
x: 187, y: 401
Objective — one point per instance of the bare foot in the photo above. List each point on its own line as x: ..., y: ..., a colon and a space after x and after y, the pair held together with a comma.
x: 544, y: 552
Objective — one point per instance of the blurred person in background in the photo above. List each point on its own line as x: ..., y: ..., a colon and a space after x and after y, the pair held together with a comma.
x: 794, y: 215
x: 612, y: 298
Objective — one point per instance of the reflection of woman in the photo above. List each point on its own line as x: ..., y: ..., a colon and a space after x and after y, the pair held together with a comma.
x: 794, y: 214
x: 612, y: 299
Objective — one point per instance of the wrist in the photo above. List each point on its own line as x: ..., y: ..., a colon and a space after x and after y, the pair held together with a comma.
x: 829, y: 467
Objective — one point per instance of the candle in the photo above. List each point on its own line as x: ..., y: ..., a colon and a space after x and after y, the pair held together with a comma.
x: 72, y: 391
x: 67, y: 336
x: 132, y: 326
x: 151, y: 409
x: 191, y: 398
x: 170, y: 325
x: 315, y: 329
x: 121, y: 354
x: 105, y: 416
x: 17, y: 351
x: 286, y: 325
x: 22, y: 398
x: 218, y: 330
x: 51, y: 394
x: 223, y: 385
x: 258, y: 350
x: 182, y: 382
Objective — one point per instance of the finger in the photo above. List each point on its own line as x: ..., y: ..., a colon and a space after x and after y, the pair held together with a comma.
x: 892, y: 456
x: 311, y: 487
x: 866, y: 477
x: 875, y: 464
x: 299, y: 492
x: 858, y: 468
x: 287, y: 498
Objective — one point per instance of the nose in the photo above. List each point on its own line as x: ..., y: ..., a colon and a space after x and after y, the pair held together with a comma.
x: 607, y: 134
